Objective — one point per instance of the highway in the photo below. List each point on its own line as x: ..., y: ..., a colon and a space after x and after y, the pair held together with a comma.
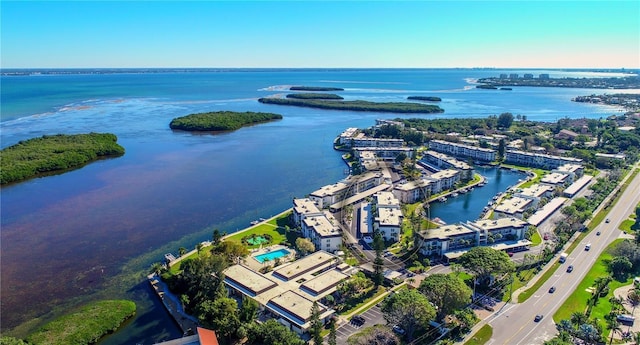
x: 514, y: 323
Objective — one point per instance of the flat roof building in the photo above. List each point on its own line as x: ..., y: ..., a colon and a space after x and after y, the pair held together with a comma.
x: 514, y: 207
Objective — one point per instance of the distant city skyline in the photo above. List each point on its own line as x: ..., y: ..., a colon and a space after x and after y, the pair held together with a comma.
x: 317, y: 34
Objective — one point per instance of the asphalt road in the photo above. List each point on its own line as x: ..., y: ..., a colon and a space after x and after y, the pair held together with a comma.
x: 514, y: 324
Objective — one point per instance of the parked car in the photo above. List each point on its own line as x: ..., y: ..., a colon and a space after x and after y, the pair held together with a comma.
x: 398, y: 330
x: 358, y: 320
x: 510, y: 254
x: 607, y: 221
x: 538, y: 318
x: 570, y: 268
x: 552, y: 289
x: 546, y: 236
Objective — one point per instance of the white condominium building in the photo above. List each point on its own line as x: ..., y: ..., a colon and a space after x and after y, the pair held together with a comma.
x: 538, y: 160
x: 387, y: 215
x: 319, y: 227
x: 462, y: 150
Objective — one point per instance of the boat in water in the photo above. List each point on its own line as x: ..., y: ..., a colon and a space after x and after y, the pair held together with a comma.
x: 454, y: 194
x: 442, y: 199
x: 255, y: 222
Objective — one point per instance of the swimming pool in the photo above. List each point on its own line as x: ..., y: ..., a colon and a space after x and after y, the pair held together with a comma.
x: 270, y: 256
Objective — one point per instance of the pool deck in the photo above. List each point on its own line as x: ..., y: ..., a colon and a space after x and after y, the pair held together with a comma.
x: 253, y: 263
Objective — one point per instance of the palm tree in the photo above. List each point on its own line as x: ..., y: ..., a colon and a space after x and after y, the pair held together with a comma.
x: 636, y: 338
x: 182, y: 251
x: 578, y: 318
x: 156, y: 268
x: 199, y: 248
x: 612, y: 325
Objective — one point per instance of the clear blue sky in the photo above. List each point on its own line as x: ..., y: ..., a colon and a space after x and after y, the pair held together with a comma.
x: 580, y: 34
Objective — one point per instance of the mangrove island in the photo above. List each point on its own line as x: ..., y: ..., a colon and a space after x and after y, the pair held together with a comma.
x: 55, y: 153
x: 221, y: 120
x: 315, y: 88
x: 87, y: 325
x: 424, y: 98
x: 314, y: 96
x: 387, y: 107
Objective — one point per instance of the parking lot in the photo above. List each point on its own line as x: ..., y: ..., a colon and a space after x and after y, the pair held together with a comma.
x: 371, y: 317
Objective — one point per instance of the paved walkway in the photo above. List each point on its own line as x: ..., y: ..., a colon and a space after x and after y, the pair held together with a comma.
x: 172, y: 304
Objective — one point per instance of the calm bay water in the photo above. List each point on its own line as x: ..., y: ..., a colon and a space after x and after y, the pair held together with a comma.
x: 90, y: 233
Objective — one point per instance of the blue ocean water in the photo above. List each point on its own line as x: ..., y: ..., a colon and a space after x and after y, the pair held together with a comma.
x: 172, y: 188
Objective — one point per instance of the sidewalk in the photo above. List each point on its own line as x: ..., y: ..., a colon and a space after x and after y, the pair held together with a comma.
x: 551, y: 262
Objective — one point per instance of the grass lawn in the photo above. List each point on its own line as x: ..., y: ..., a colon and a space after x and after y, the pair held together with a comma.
x: 481, y: 337
x: 626, y: 226
x: 374, y: 296
x: 577, y: 301
x: 274, y: 228
x: 536, y: 239
x: 519, y: 280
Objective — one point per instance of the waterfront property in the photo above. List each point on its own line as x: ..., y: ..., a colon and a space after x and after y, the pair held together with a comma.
x: 413, y: 191
x: 513, y: 207
x: 451, y: 241
x: 331, y: 194
x: 287, y: 293
x: 387, y: 217
x: 535, y: 193
x: 353, y: 137
x: 556, y: 179
x: 442, y: 160
x: 538, y: 160
x: 318, y: 226
x: 462, y: 150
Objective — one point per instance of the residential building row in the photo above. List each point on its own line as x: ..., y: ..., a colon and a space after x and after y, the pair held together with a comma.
x: 320, y: 227
x: 353, y: 137
x: 463, y: 150
x: 451, y: 241
x: 288, y: 292
x: 538, y: 160
x: 414, y: 191
x: 442, y: 160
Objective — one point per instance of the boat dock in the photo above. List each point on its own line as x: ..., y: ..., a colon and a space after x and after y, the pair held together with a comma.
x: 187, y: 323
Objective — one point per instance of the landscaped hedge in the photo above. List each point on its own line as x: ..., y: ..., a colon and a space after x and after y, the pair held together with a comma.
x: 220, y: 121
x: 52, y: 153
x: 85, y: 326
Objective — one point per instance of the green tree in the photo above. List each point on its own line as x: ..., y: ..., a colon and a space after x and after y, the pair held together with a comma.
x: 619, y: 266
x: 501, y: 149
x: 220, y: 314
x: 304, y: 245
x: 408, y: 309
x: 375, y: 335
x: 333, y: 336
x: 378, y: 263
x: 272, y: 332
x: 248, y: 310
x: 230, y: 250
x: 182, y: 251
x: 217, y: 236
x: 485, y: 262
x: 316, y: 324
x: 447, y: 292
x: 505, y: 120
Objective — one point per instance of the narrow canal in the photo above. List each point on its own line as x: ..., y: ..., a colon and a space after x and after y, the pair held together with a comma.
x: 469, y: 206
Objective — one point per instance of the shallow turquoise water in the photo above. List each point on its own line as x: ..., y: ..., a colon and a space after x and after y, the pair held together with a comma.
x: 270, y: 256
x: 172, y: 188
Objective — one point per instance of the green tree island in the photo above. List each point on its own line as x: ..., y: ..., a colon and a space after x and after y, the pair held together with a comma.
x: 386, y: 107
x: 221, y: 120
x: 315, y: 88
x: 55, y: 153
x: 425, y: 98
x: 313, y: 95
